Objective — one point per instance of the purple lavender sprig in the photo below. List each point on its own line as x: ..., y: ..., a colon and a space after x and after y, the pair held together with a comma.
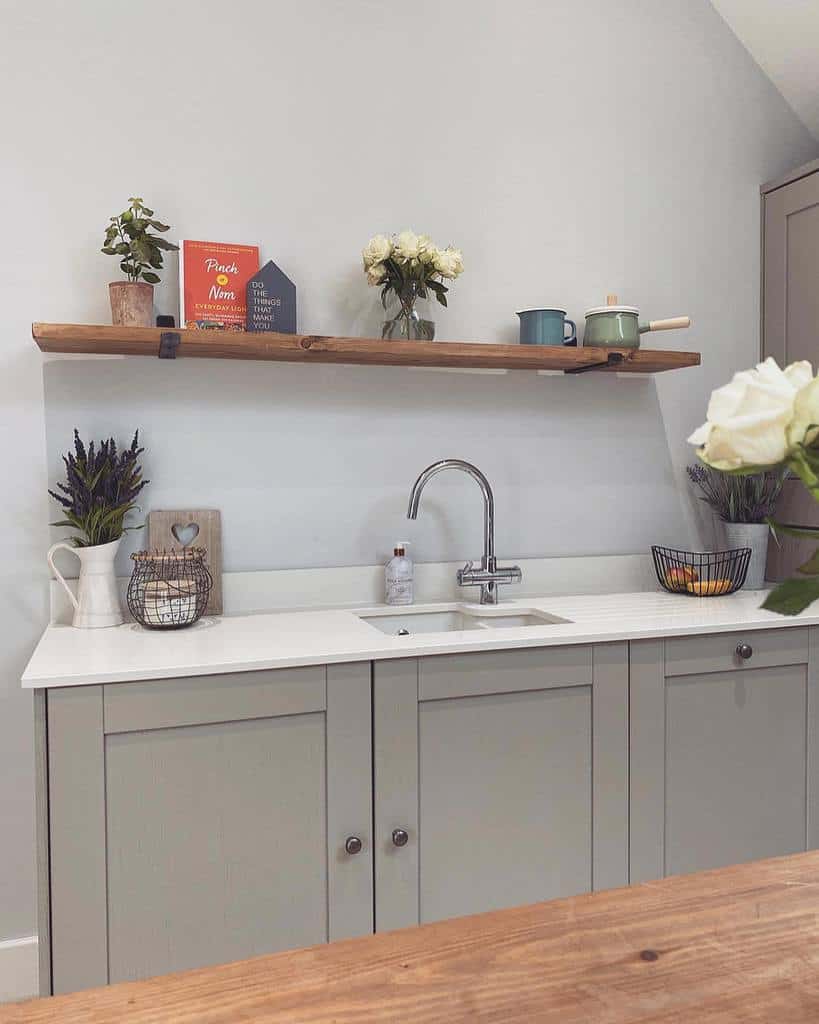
x: 100, y: 489
x: 738, y: 499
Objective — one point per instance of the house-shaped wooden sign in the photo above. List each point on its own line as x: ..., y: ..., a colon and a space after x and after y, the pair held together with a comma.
x: 271, y: 301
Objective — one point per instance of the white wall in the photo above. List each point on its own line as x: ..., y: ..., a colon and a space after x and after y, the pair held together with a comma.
x: 571, y: 148
x: 316, y: 468
x: 783, y: 38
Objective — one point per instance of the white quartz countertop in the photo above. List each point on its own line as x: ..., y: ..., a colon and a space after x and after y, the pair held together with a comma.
x: 72, y: 657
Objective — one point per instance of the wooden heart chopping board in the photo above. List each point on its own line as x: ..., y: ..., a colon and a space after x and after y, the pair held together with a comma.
x: 184, y: 528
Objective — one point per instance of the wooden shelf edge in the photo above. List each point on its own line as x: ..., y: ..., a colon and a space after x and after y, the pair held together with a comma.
x: 88, y: 339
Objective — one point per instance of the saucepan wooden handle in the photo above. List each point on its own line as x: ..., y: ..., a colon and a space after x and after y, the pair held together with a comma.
x: 674, y: 324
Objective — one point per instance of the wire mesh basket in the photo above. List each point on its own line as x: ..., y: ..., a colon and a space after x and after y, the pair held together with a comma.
x: 701, y: 573
x: 169, y: 589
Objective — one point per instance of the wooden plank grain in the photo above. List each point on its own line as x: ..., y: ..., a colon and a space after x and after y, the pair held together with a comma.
x: 310, y: 348
x: 208, y: 523
x: 738, y: 944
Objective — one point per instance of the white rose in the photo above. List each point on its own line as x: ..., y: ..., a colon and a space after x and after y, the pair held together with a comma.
x: 376, y: 274
x: 804, y: 427
x: 749, y: 419
x: 428, y: 252
x: 409, y: 246
x: 376, y: 250
x: 449, y: 262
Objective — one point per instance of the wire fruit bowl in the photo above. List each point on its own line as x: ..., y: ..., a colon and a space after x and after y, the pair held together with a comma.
x: 701, y: 573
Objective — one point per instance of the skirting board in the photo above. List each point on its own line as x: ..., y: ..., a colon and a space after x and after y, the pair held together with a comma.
x: 18, y: 969
x: 245, y: 593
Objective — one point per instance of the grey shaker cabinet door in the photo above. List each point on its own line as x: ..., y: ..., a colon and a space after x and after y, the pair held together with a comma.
x: 509, y: 773
x: 723, y: 759
x: 204, y: 820
x: 791, y: 256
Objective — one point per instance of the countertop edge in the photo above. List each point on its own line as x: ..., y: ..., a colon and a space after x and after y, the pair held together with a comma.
x: 383, y: 648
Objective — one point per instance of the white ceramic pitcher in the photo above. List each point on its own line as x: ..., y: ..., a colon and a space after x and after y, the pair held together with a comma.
x: 97, y: 600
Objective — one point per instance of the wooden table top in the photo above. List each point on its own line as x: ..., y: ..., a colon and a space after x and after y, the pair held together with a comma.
x: 736, y: 944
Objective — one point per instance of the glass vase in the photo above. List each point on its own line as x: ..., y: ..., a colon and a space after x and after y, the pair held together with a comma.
x: 407, y: 324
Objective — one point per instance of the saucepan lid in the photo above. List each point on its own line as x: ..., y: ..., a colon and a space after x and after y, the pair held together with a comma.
x: 612, y: 309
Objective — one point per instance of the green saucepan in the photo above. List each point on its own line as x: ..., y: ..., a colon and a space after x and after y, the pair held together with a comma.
x: 619, y: 326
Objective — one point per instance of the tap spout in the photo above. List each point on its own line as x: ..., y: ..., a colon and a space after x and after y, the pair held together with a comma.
x: 488, y: 560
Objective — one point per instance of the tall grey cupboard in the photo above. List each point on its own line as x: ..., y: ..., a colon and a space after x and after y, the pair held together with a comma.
x: 790, y: 267
x: 790, y: 322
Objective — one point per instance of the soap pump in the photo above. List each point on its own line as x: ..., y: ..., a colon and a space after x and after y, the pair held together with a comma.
x: 398, y: 576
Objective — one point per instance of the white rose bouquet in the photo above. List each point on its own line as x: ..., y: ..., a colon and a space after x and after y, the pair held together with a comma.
x: 764, y: 419
x: 411, y: 266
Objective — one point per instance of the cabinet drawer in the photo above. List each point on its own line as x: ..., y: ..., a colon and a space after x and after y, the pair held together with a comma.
x: 717, y: 652
x: 197, y: 700
x: 533, y: 668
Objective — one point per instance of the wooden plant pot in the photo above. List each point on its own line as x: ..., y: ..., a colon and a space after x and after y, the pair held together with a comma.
x: 132, y: 303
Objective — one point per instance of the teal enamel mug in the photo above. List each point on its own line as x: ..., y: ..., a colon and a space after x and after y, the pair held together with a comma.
x: 546, y: 327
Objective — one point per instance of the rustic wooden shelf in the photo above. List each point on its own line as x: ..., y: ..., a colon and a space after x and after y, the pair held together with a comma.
x: 308, y: 348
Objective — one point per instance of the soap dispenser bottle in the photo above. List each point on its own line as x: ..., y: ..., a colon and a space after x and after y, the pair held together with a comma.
x: 398, y: 576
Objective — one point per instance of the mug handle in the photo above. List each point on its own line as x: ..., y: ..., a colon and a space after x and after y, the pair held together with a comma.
x: 58, y: 574
x: 572, y: 339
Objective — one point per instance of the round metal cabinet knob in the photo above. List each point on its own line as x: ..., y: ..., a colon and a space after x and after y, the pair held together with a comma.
x: 400, y: 837
x: 744, y: 651
x: 353, y: 845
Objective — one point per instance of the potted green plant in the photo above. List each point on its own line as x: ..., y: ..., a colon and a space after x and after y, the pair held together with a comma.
x: 410, y: 267
x: 745, y: 505
x: 100, y: 490
x: 129, y: 238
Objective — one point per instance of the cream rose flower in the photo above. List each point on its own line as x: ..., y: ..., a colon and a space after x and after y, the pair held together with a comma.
x: 429, y: 252
x: 409, y: 247
x: 449, y: 262
x: 376, y: 274
x: 749, y: 420
x: 376, y: 250
x: 804, y: 427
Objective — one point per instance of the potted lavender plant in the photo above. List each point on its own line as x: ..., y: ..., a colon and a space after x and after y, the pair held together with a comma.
x: 98, y: 494
x: 744, y: 504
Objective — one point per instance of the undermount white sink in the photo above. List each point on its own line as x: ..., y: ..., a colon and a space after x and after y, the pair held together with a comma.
x: 411, y: 622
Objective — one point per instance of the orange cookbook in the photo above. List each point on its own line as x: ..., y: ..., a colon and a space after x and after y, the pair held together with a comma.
x: 213, y: 280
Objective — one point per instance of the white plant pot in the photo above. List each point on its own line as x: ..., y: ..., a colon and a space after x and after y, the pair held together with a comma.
x: 97, y: 601
x: 754, y: 536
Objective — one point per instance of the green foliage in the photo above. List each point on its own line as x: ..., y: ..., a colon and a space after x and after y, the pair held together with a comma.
x: 129, y: 237
x: 408, y: 282
x: 804, y: 461
x: 793, y: 596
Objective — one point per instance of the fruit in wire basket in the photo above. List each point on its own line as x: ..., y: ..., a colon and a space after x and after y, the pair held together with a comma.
x: 709, y: 588
x: 679, y: 576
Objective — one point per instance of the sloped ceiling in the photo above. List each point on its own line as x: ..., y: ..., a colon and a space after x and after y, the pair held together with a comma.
x: 783, y: 38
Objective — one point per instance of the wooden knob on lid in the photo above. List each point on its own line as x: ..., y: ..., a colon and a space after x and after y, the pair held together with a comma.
x: 611, y: 300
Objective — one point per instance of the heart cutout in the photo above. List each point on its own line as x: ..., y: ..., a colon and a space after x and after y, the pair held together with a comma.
x: 185, y: 534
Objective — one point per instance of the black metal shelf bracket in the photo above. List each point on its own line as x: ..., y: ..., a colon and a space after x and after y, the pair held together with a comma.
x: 169, y: 342
x: 612, y: 359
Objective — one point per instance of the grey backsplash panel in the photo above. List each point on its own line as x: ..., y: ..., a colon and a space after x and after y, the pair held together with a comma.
x: 312, y: 465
